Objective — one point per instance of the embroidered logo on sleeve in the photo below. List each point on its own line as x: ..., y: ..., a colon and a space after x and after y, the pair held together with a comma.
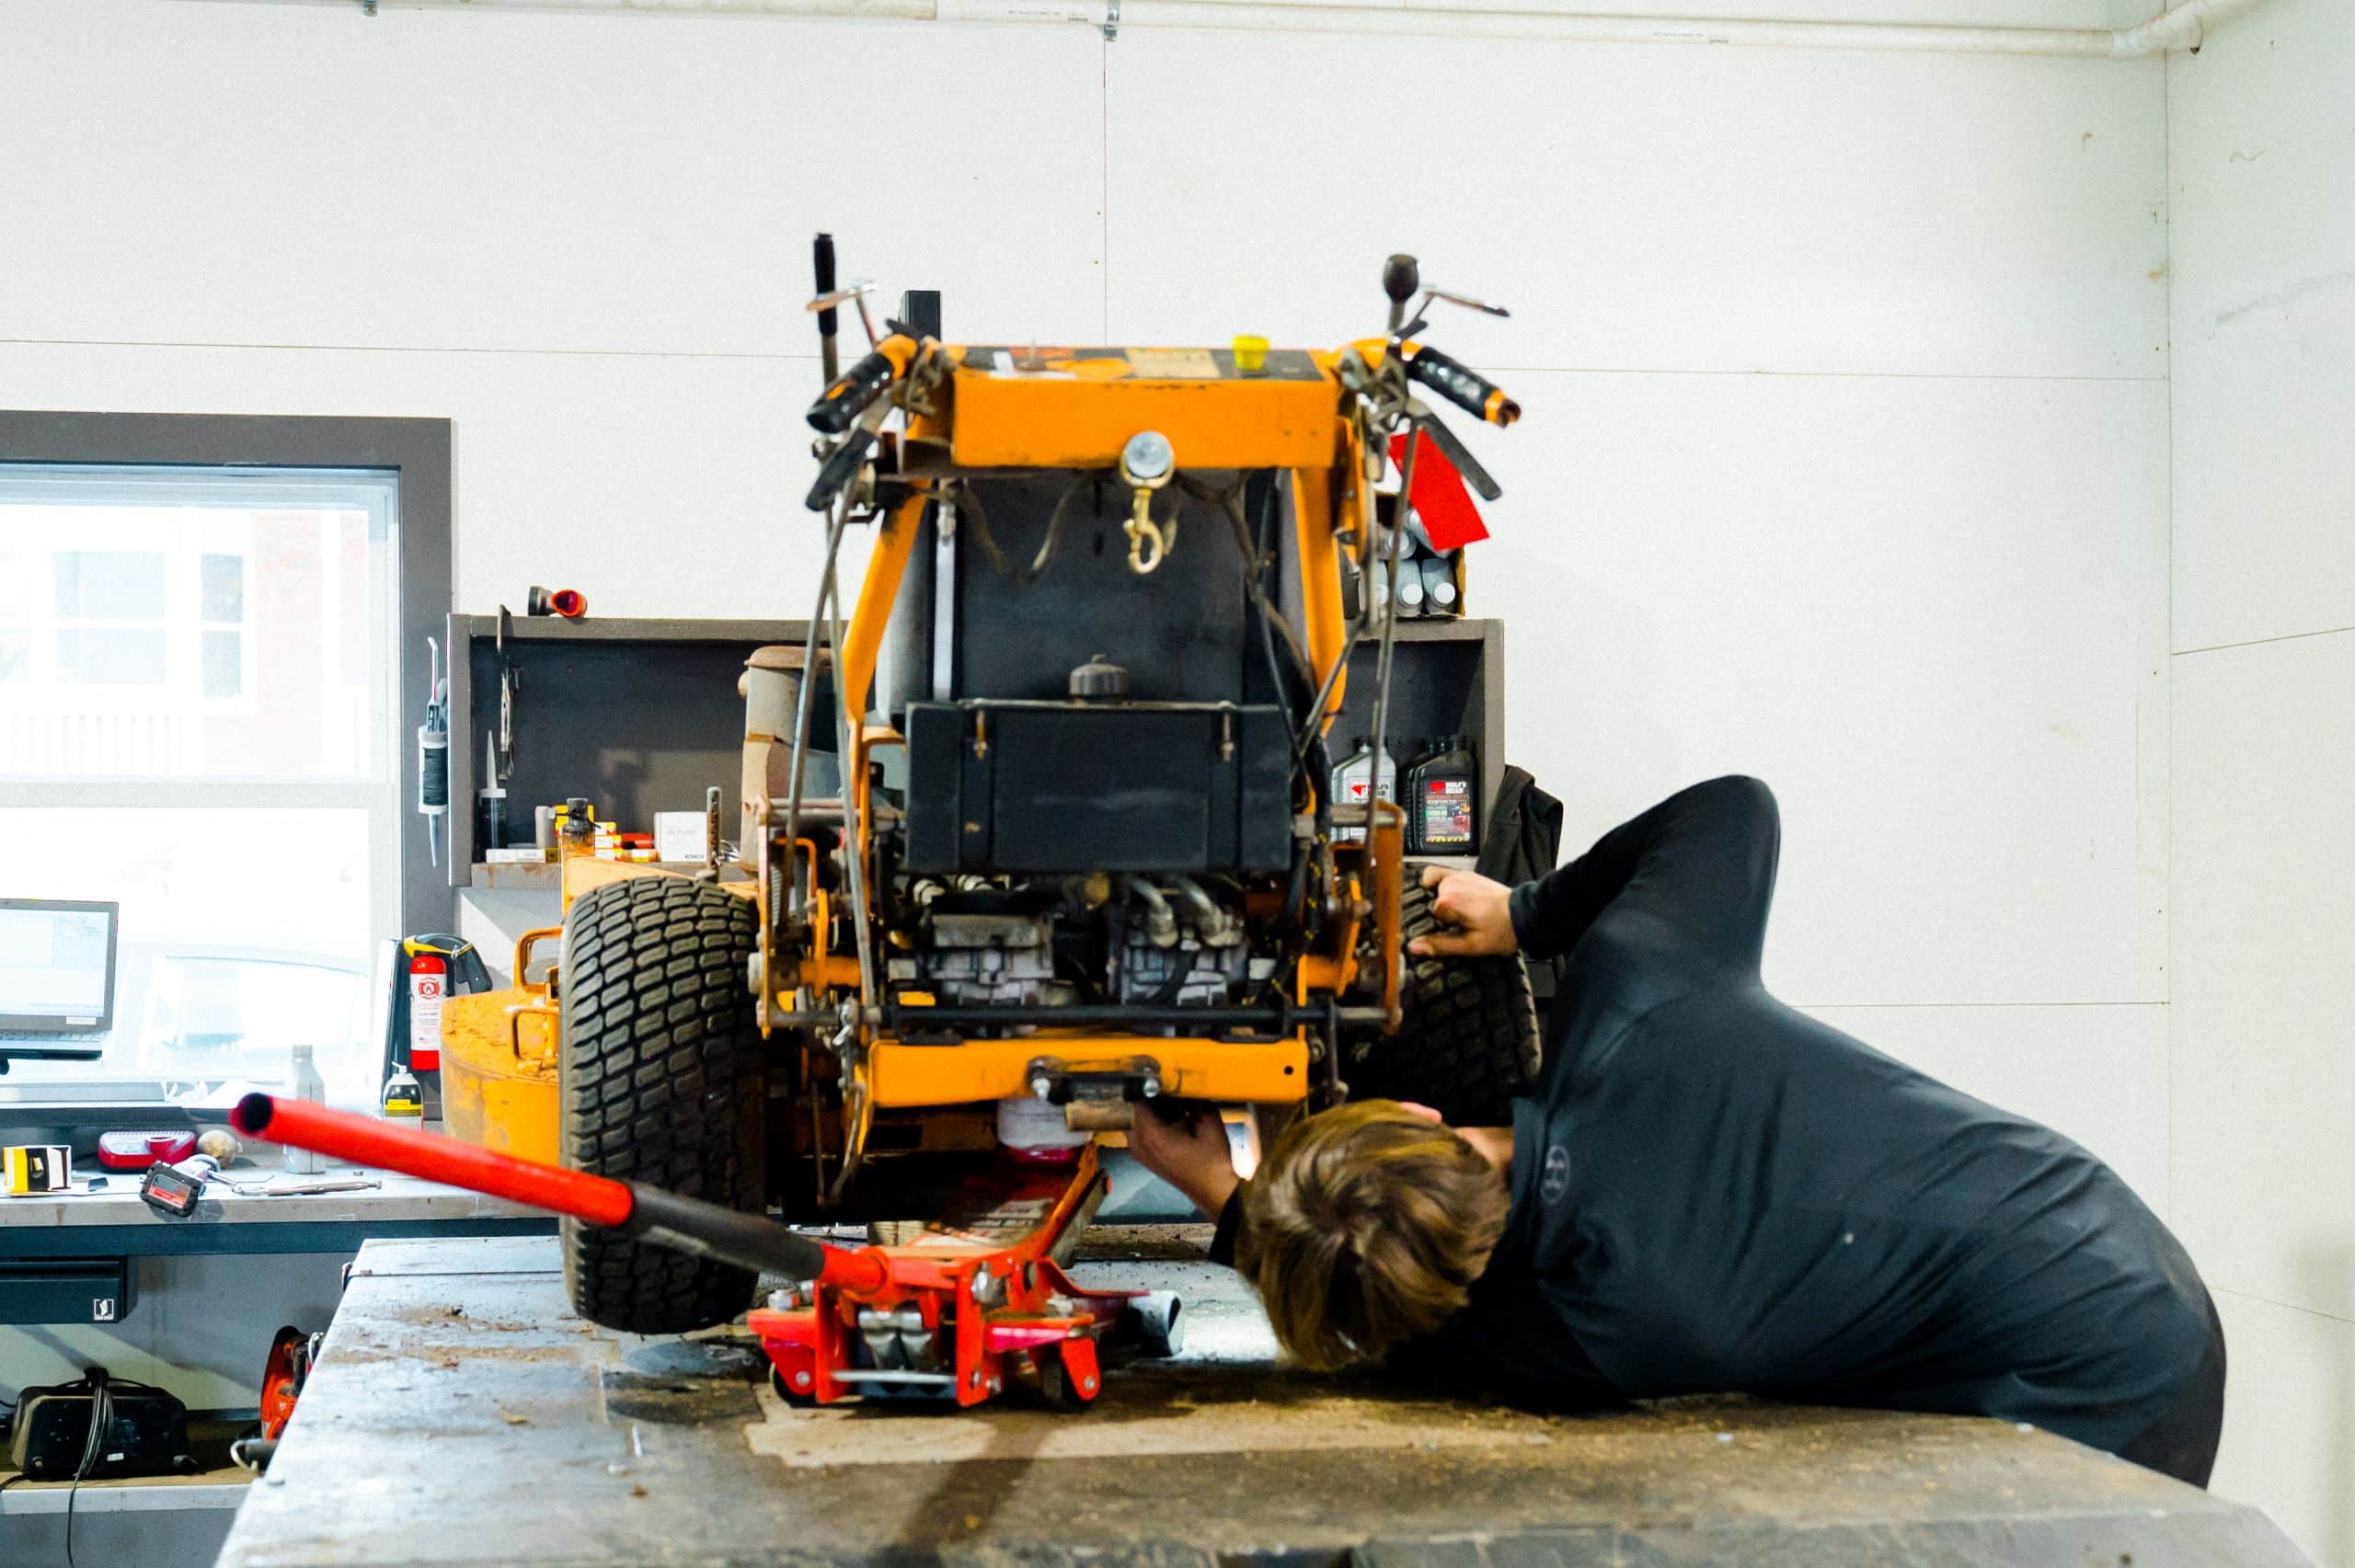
x: 1554, y: 1180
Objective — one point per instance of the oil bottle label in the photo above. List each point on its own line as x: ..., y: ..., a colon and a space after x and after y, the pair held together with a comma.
x: 1447, y: 814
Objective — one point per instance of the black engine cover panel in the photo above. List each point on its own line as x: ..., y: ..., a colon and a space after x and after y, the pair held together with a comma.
x: 1030, y: 787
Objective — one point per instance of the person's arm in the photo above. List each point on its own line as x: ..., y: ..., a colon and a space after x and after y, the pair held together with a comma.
x: 1698, y: 871
x: 1193, y: 1155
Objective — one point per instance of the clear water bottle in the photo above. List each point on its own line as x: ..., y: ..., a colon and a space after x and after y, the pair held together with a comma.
x: 305, y: 1083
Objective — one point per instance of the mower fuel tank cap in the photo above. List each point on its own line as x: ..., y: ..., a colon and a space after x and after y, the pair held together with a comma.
x: 1099, y: 679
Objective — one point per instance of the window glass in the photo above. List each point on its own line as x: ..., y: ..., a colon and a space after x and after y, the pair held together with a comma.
x: 143, y: 658
x: 197, y: 670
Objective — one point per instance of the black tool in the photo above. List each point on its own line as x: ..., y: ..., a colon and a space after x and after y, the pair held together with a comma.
x: 173, y: 1191
x: 828, y: 359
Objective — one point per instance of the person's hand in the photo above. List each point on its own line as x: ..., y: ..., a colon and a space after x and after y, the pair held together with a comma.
x: 1479, y: 910
x: 1190, y: 1153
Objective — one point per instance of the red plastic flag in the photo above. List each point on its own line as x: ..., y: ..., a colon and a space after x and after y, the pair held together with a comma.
x: 1445, y: 507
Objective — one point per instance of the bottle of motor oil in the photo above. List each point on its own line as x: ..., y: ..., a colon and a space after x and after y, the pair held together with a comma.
x: 1443, y: 792
x: 404, y: 1099
x: 1354, y: 776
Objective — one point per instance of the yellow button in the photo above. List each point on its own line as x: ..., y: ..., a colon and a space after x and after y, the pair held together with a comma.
x: 1250, y: 354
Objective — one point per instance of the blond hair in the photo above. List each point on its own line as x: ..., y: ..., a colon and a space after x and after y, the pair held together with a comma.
x: 1365, y: 1227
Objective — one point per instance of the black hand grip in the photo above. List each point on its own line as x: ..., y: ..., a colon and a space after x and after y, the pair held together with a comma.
x: 845, y: 401
x: 1400, y: 278
x: 824, y: 257
x: 841, y: 466
x: 1464, y: 386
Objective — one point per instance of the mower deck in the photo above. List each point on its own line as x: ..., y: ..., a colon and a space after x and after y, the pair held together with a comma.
x: 460, y: 1414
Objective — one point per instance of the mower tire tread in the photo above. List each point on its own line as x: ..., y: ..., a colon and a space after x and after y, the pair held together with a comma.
x: 663, y: 1078
x: 1469, y: 1041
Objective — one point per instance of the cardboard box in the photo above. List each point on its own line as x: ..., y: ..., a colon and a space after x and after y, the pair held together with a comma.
x: 29, y: 1168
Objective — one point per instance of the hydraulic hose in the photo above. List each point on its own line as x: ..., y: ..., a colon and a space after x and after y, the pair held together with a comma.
x: 633, y: 1209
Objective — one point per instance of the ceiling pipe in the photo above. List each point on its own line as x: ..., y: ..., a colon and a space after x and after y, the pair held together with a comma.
x: 2184, y: 26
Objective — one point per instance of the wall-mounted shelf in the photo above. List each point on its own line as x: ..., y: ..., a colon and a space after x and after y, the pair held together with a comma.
x: 639, y: 715
x: 1447, y: 677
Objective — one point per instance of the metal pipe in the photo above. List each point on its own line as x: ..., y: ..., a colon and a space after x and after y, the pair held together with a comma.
x: 2183, y: 26
x: 1393, y: 546
x: 1160, y: 926
x: 645, y: 1213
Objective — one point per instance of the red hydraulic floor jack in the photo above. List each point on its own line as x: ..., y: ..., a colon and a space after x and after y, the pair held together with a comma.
x: 955, y: 1313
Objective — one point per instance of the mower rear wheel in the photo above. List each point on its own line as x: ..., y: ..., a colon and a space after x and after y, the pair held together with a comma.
x: 663, y: 1080
x: 1469, y: 1041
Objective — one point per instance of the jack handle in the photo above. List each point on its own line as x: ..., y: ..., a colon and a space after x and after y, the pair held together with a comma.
x: 643, y: 1213
x: 1462, y: 385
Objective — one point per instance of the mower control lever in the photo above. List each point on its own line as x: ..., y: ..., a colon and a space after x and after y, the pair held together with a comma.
x: 1462, y: 385
x: 843, y: 401
x: 1448, y: 442
x: 840, y: 468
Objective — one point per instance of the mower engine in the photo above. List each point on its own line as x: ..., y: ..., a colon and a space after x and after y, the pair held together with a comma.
x: 1165, y: 941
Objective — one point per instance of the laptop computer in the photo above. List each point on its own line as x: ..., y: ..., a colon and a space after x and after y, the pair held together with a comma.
x: 57, y: 979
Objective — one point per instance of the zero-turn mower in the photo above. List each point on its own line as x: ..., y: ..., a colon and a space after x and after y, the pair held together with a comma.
x: 1083, y: 857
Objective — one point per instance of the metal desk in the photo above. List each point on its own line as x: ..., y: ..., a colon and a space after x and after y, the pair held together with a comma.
x: 114, y: 1223
x: 460, y: 1416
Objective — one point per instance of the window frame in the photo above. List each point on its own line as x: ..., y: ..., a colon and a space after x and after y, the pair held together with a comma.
x: 416, y: 454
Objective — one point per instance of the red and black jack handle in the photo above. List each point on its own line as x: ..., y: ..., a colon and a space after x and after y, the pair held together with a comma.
x: 640, y: 1212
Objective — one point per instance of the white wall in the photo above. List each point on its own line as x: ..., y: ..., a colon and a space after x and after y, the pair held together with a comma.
x: 2262, y: 155
x: 1846, y: 447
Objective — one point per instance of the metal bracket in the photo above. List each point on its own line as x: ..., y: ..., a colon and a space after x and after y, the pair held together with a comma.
x: 1111, y: 19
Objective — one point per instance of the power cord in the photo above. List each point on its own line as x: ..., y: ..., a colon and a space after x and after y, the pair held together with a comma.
x: 101, y: 1419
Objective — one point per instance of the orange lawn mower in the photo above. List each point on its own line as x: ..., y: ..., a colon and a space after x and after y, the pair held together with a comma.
x: 1059, y: 841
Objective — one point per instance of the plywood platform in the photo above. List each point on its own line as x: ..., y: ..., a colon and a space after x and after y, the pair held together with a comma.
x: 461, y: 1416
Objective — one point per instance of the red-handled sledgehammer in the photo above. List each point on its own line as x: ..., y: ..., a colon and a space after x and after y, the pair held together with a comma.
x: 638, y: 1211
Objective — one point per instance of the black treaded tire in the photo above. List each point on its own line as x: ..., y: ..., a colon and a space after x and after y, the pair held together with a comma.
x: 1469, y: 1041
x: 663, y: 1079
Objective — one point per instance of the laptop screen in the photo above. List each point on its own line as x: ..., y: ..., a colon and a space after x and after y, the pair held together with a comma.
x: 56, y: 966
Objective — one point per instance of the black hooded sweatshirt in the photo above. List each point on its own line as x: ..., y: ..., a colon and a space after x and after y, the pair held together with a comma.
x: 1713, y: 1191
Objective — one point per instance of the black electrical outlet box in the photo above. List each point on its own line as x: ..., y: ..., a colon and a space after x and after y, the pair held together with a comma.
x: 66, y: 1291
